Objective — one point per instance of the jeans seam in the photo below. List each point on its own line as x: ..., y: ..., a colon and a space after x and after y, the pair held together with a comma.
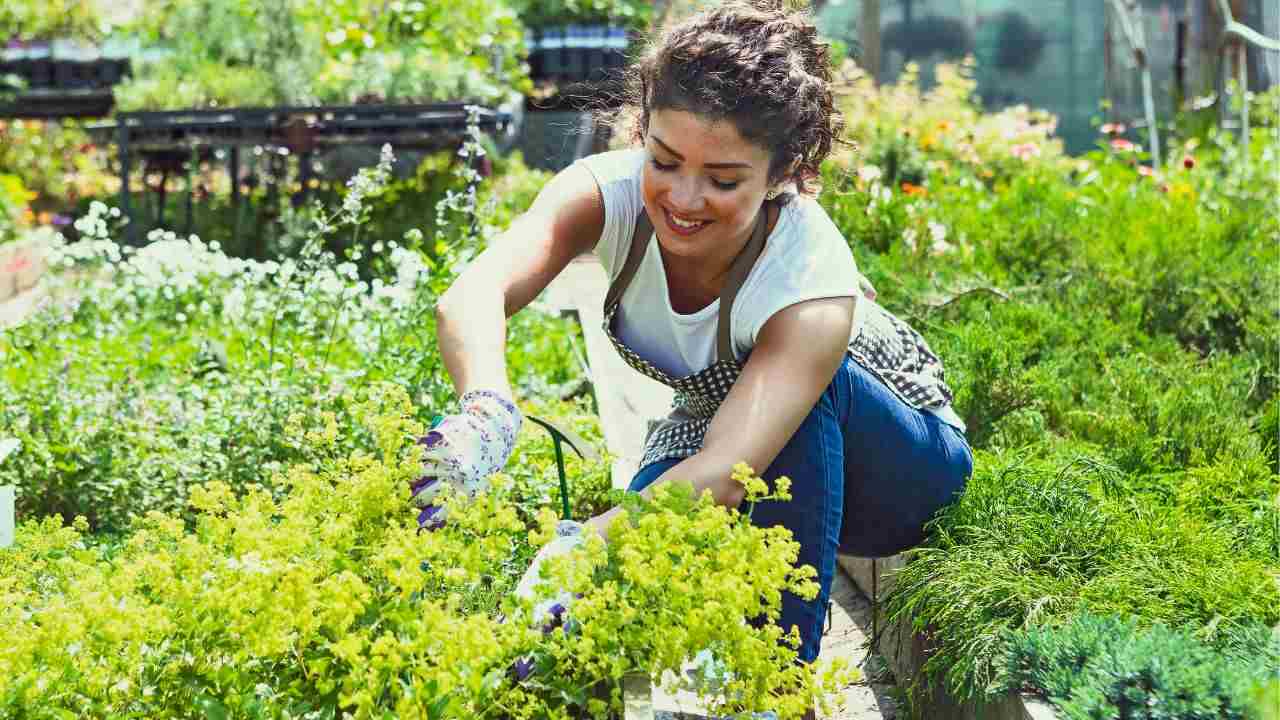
x: 826, y: 510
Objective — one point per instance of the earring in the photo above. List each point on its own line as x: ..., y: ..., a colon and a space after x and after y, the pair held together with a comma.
x: 772, y: 194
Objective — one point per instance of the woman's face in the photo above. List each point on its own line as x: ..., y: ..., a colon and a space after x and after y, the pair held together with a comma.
x: 703, y: 184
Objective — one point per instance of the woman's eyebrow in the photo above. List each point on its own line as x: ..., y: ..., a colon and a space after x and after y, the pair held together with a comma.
x: 714, y: 166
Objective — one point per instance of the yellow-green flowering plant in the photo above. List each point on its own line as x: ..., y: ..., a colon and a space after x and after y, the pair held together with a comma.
x: 325, y: 599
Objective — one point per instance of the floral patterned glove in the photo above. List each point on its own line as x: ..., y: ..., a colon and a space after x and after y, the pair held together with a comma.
x: 550, y: 612
x: 463, y: 450
x: 553, y: 612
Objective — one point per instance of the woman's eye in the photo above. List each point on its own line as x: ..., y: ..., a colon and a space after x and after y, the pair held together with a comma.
x: 720, y: 184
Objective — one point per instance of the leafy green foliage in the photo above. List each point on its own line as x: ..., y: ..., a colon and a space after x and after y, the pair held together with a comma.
x: 26, y: 20
x: 537, y: 13
x: 326, y: 599
x: 1036, y: 540
x: 56, y: 162
x: 1107, y: 667
x: 14, y: 211
x: 301, y: 52
x: 1110, y: 332
x: 188, y: 362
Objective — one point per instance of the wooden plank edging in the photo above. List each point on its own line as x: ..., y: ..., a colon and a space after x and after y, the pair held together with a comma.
x: 906, y: 652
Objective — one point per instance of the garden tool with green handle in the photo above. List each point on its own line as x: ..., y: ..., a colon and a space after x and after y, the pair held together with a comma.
x: 464, y: 449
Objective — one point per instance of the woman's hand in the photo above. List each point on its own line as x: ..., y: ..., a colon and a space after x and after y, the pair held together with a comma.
x: 463, y: 450
x: 550, y: 612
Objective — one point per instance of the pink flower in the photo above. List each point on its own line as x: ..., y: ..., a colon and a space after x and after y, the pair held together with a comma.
x: 1122, y: 145
x: 1145, y: 171
x: 1025, y: 151
x: 1112, y: 128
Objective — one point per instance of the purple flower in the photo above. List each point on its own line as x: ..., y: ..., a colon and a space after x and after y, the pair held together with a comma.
x: 60, y: 220
x: 522, y: 668
x: 556, y: 619
x: 427, y: 518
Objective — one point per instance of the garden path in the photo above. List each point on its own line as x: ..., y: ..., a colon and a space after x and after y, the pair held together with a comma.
x: 627, y: 402
x: 14, y: 309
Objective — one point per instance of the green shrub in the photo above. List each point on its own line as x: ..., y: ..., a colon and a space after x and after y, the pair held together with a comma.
x: 185, y: 362
x: 1107, y: 667
x: 1040, y: 536
x: 327, y: 601
x: 300, y: 52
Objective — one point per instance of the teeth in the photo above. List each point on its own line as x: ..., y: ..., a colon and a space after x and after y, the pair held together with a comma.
x: 684, y: 224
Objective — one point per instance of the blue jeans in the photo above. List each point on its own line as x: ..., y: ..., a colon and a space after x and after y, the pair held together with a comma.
x: 867, y: 472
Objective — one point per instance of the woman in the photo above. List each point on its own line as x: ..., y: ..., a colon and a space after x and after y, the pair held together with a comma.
x: 730, y: 284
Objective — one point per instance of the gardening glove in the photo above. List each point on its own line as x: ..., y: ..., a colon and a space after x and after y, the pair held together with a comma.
x: 551, y: 612
x: 710, y: 676
x: 463, y: 450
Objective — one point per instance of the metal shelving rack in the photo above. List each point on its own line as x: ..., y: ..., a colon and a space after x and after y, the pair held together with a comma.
x: 169, y: 138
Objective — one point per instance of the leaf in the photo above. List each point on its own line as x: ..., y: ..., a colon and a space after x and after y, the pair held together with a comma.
x: 213, y: 710
x: 8, y: 446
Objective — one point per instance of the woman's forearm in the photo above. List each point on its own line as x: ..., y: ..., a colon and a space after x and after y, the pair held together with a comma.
x: 471, y: 328
x: 702, y: 471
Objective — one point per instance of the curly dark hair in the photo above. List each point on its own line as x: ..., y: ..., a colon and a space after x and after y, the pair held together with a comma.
x: 754, y: 63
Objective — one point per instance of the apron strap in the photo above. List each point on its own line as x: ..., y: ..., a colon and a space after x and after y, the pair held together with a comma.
x: 738, y: 272
x: 639, y: 243
x: 737, y: 275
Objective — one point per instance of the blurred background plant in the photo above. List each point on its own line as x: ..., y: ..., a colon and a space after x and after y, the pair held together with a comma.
x: 247, y: 53
x: 633, y: 14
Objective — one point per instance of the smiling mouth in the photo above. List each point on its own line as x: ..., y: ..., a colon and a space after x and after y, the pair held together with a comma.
x: 684, y: 227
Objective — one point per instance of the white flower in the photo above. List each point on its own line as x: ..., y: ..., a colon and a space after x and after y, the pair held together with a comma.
x: 909, y: 238
x: 938, y: 235
x: 937, y: 231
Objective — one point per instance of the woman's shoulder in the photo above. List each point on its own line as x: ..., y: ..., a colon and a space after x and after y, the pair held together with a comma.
x: 805, y: 226
x: 806, y: 249
x: 613, y: 166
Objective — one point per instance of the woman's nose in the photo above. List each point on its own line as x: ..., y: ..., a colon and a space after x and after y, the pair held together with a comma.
x: 686, y: 195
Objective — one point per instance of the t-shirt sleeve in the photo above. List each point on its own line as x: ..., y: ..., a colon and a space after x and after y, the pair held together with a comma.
x: 809, y: 260
x: 617, y: 172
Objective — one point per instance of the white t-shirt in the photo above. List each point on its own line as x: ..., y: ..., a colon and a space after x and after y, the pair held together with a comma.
x: 804, y: 258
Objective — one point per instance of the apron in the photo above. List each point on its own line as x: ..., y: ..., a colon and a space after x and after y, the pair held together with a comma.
x: 887, y: 347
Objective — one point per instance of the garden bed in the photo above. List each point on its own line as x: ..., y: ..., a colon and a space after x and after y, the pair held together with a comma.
x: 906, y: 650
x: 1106, y: 330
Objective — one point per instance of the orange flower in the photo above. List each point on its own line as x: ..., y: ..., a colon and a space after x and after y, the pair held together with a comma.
x: 914, y: 190
x: 1145, y: 171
